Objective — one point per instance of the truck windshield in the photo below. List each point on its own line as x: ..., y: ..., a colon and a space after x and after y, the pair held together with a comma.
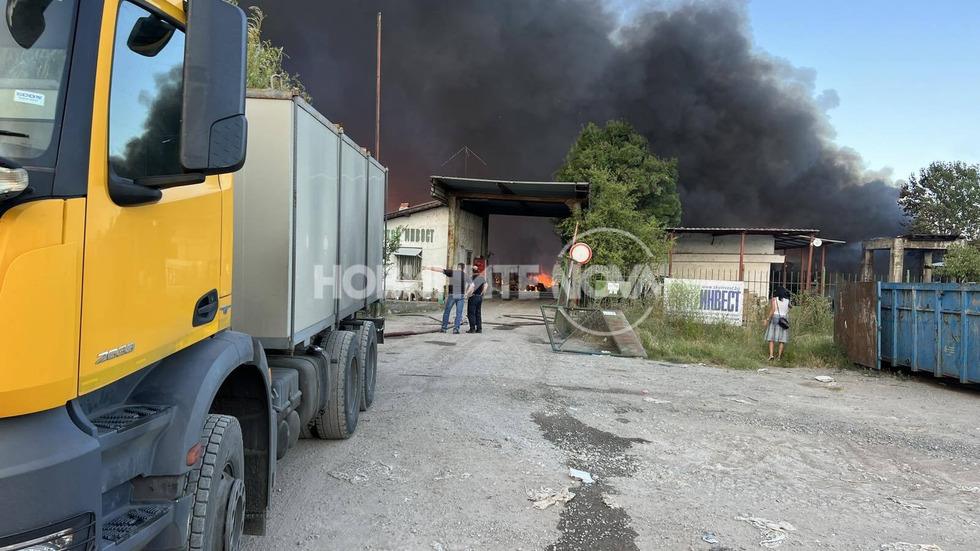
x: 34, y: 49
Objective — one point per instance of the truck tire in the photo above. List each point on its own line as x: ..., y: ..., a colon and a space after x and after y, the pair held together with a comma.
x: 217, y: 483
x: 339, y: 419
x: 368, y: 357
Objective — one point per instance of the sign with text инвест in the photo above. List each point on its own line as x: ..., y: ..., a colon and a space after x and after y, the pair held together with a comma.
x: 711, y: 301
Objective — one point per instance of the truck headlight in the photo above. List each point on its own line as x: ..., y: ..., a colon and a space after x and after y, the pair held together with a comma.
x: 73, y: 534
x: 13, y: 180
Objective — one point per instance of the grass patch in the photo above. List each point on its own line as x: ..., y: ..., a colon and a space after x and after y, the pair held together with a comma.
x: 685, y: 339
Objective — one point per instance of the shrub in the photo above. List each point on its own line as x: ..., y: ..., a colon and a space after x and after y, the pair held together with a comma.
x: 811, y: 313
x: 961, y: 263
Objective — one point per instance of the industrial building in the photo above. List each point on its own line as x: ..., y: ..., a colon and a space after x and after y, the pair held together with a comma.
x: 424, y: 231
x: 758, y: 256
x: 455, y: 226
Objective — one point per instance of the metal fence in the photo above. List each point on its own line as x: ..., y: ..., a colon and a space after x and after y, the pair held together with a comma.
x: 762, y: 283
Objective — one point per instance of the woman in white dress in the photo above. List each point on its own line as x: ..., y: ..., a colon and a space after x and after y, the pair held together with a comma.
x: 778, y: 329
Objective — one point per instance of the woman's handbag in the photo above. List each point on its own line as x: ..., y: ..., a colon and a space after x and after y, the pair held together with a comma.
x: 783, y: 322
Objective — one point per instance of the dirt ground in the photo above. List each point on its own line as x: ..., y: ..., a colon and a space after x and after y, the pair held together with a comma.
x: 465, y: 427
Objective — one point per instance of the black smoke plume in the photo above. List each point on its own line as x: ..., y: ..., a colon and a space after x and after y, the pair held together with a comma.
x: 515, y: 81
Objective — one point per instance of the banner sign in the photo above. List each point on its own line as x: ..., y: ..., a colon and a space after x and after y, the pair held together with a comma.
x: 710, y: 301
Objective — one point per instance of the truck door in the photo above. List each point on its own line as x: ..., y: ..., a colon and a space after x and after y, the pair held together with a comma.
x: 150, y: 266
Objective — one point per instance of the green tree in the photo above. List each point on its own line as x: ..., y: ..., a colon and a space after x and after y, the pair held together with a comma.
x: 944, y: 199
x: 961, y: 263
x: 393, y: 242
x: 632, y: 190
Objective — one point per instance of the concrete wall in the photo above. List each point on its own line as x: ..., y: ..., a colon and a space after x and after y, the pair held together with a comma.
x: 470, y: 238
x: 703, y: 256
x: 429, y: 231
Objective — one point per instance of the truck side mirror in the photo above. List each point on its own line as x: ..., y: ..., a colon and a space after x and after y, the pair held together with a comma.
x: 150, y: 35
x: 214, y: 129
x: 25, y: 20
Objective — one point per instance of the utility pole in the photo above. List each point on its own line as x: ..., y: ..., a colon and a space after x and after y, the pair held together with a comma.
x: 466, y: 159
x: 377, y: 102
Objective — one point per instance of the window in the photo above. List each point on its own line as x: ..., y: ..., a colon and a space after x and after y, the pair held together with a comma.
x: 34, y: 48
x: 409, y: 267
x: 145, y: 95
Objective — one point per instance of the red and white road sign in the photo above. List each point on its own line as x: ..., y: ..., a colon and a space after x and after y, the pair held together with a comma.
x: 580, y: 252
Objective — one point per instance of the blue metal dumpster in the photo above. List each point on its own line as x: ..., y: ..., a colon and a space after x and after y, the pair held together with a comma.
x: 931, y: 327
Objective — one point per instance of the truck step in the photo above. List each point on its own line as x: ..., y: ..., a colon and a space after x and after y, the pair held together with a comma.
x: 127, y: 417
x: 141, y: 520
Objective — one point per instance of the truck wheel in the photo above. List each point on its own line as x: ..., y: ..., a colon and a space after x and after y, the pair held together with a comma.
x: 217, y: 483
x: 339, y: 419
x: 368, y: 358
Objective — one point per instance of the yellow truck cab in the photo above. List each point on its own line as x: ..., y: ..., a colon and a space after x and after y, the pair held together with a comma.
x: 132, y: 415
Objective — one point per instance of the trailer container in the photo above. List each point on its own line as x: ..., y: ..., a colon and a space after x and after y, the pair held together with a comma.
x: 309, y: 223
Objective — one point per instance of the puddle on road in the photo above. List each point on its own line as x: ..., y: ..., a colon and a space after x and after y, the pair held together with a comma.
x: 586, y: 522
x: 441, y: 343
x: 505, y: 327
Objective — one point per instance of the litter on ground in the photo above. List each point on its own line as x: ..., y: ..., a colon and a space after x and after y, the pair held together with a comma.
x: 710, y: 538
x: 581, y: 475
x: 824, y: 378
x: 546, y: 497
x: 773, y: 532
x: 655, y: 401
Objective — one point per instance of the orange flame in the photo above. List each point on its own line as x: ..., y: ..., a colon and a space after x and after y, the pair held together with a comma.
x: 544, y: 279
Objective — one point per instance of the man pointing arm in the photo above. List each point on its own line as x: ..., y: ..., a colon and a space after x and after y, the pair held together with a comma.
x: 457, y: 289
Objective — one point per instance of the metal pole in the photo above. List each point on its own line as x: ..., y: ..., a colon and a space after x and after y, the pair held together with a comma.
x: 784, y: 266
x: 377, y: 101
x: 741, y: 259
x: 568, y: 293
x: 809, y: 265
x: 823, y: 267
x: 670, y: 261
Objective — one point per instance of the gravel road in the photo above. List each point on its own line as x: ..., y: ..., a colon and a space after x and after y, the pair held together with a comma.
x: 466, y: 427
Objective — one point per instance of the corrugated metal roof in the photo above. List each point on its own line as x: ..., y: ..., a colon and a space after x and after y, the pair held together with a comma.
x: 485, y: 197
x: 785, y: 238
x: 566, y: 190
x: 746, y: 230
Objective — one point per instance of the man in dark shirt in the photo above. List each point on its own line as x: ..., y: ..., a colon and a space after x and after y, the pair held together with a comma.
x: 474, y: 306
x: 458, y: 282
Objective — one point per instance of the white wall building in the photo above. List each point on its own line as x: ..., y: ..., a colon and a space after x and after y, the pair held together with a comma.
x: 424, y: 230
x: 741, y: 254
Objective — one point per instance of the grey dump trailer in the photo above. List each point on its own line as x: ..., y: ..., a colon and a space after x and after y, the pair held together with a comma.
x: 307, y: 275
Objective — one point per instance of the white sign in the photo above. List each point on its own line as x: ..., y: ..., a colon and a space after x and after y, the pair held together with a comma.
x: 711, y: 301
x: 32, y: 98
x: 581, y: 253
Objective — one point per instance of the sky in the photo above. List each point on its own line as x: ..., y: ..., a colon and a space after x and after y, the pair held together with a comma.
x: 906, y: 72
x: 732, y: 88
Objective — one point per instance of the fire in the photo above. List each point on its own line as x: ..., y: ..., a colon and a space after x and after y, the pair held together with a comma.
x: 544, y: 279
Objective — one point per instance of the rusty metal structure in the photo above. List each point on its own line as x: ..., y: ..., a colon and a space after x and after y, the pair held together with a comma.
x: 927, y: 244
x: 932, y: 327
x: 856, y: 322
